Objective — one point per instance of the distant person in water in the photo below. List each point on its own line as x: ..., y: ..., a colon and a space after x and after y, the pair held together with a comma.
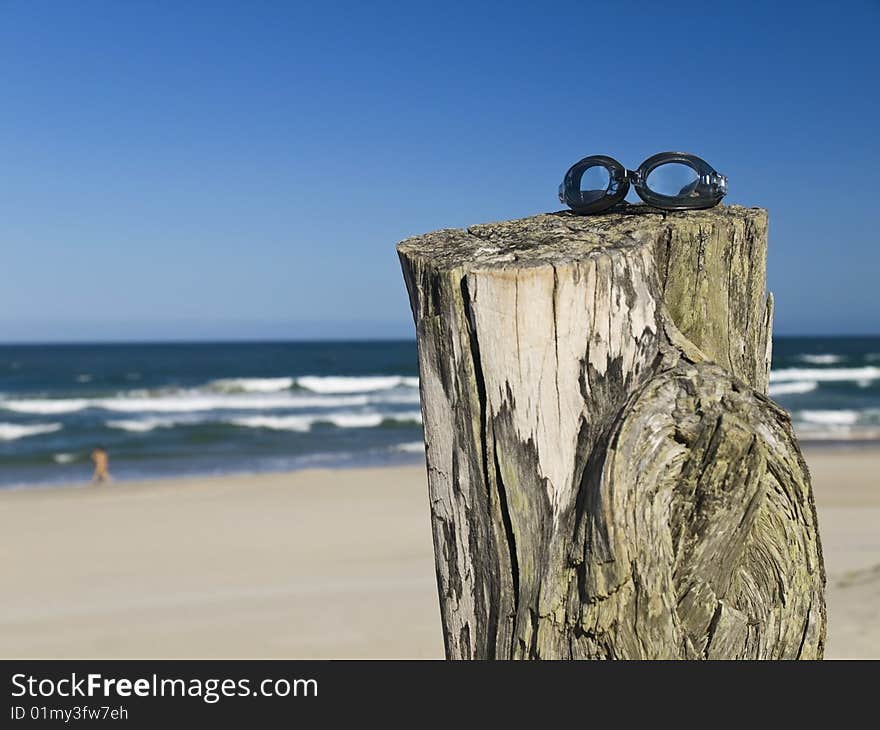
x: 102, y: 463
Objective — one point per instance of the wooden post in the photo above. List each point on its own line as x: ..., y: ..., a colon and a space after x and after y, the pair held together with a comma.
x: 607, y: 477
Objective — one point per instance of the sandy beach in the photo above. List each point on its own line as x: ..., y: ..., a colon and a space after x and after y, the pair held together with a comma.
x: 333, y: 563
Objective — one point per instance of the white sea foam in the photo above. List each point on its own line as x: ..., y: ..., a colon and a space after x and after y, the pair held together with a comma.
x: 411, y: 447
x: 187, y: 401
x: 409, y: 417
x: 12, y: 431
x: 829, y: 418
x: 84, y: 378
x: 795, y: 386
x: 340, y: 420
x: 276, y: 423
x: 403, y: 396
x: 251, y: 385
x: 868, y: 372
x: 355, y: 384
x: 238, y: 394
x: 63, y: 458
x: 353, y: 420
x: 367, y: 420
x: 145, y: 425
x: 143, y: 401
x: 184, y: 403
x: 823, y: 359
x: 45, y: 406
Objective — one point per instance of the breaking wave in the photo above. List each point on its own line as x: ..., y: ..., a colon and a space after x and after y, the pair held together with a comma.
x: 358, y: 384
x: 866, y: 374
x: 829, y: 418
x: 250, y: 385
x: 340, y: 420
x: 822, y: 359
x: 237, y: 394
x: 192, y: 401
x: 13, y: 431
x: 411, y: 447
x: 793, y: 387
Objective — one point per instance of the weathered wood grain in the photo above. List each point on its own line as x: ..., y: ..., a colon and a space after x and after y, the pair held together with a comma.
x: 607, y: 478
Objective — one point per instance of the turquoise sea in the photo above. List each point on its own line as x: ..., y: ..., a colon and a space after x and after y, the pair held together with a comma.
x: 210, y: 408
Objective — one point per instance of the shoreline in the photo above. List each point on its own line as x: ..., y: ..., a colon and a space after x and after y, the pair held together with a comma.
x: 315, y: 563
x: 401, y: 460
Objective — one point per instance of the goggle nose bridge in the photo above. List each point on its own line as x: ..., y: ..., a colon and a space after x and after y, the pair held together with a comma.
x: 632, y: 176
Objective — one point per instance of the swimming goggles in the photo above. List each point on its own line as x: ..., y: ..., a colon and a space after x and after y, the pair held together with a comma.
x: 668, y: 180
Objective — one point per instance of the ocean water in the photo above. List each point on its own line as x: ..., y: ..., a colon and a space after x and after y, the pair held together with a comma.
x: 831, y: 386
x: 170, y: 409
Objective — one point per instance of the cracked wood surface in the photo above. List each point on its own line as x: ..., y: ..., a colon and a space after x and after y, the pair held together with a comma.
x: 607, y: 478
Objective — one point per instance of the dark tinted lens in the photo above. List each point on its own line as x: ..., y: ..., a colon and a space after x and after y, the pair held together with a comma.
x: 594, y: 183
x: 674, y: 179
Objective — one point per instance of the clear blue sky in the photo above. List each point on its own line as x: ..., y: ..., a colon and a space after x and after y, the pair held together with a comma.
x: 229, y: 169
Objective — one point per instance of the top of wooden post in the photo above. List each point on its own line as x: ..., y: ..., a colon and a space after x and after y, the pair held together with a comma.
x: 554, y: 238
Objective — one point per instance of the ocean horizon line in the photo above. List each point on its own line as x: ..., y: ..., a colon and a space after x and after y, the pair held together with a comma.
x: 318, y: 340
x: 212, y: 341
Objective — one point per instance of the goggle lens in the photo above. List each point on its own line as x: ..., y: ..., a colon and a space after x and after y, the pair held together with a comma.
x: 594, y: 183
x: 674, y: 179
